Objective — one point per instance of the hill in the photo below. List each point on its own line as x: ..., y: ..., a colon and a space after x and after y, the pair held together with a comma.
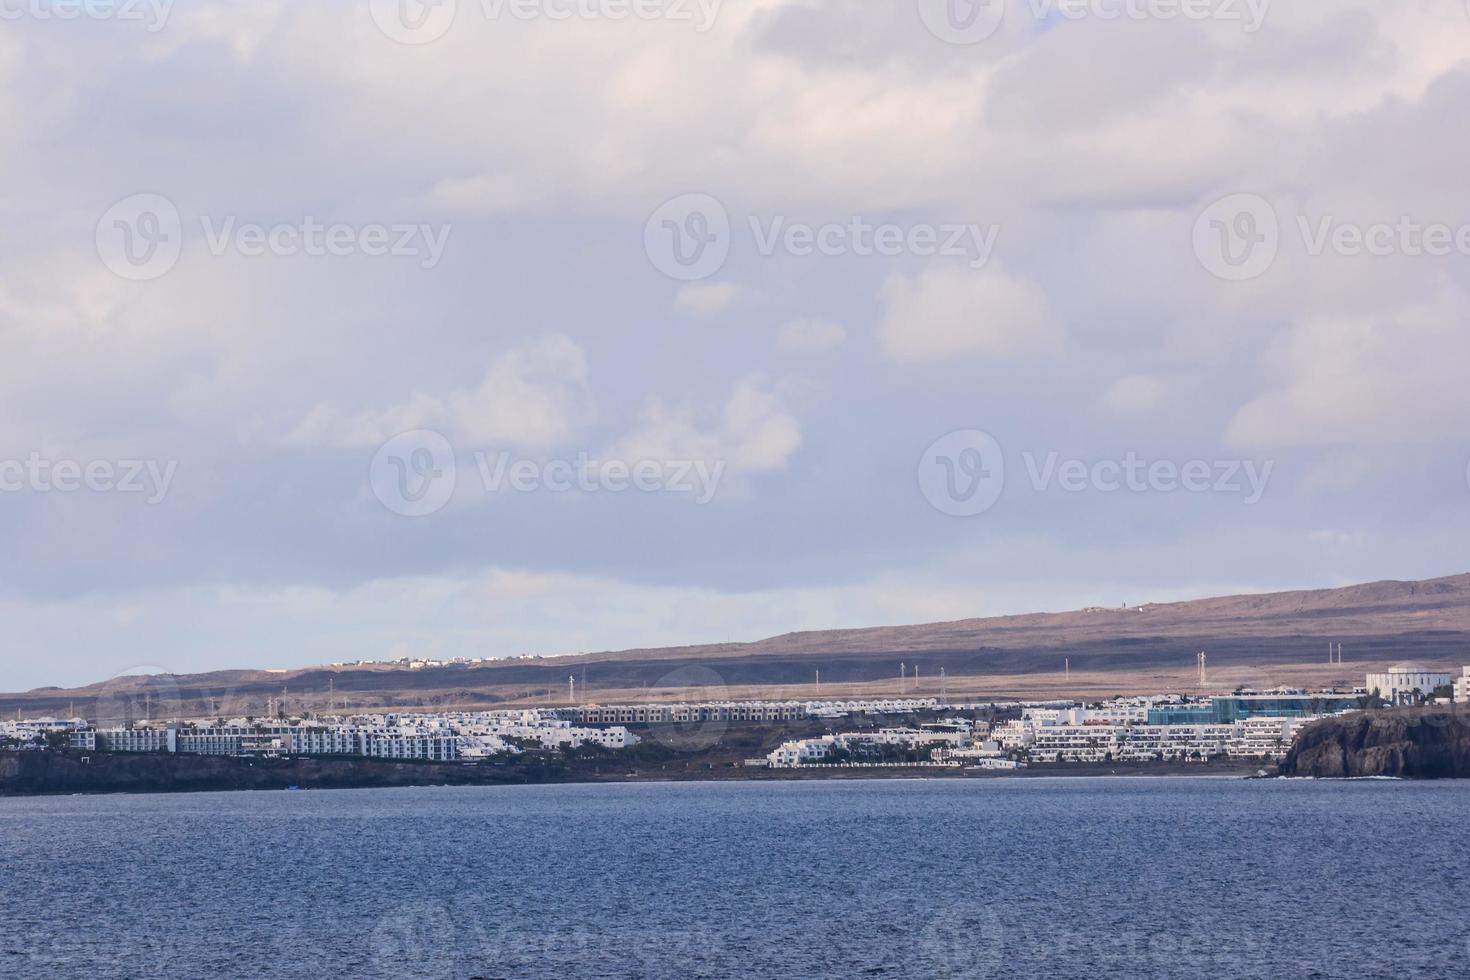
x: 1254, y: 640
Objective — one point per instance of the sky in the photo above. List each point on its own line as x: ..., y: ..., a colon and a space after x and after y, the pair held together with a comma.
x: 362, y: 330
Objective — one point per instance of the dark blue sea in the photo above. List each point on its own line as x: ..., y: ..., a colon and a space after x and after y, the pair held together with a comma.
x: 1056, y: 878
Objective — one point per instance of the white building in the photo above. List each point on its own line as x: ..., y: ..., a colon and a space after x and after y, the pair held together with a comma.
x: 394, y: 745
x: 1406, y: 683
x: 1462, y: 686
x: 135, y: 739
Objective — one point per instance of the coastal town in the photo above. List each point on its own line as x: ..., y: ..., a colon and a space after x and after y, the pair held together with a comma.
x: 999, y: 736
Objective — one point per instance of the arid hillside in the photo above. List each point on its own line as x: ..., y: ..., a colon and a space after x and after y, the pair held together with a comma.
x: 1255, y: 640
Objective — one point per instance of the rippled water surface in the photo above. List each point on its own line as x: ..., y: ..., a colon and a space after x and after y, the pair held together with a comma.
x: 1054, y: 878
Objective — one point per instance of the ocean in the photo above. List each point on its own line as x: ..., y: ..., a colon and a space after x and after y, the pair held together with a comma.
x: 1034, y: 877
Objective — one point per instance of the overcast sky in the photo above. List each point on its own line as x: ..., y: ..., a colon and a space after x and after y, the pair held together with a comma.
x: 343, y: 330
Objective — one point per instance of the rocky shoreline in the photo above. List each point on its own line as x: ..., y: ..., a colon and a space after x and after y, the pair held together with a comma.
x: 65, y: 773
x: 1409, y: 743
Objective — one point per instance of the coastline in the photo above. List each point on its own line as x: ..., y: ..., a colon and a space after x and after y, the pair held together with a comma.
x: 64, y: 774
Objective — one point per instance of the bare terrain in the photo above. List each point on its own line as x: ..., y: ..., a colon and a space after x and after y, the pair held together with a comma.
x: 1251, y: 640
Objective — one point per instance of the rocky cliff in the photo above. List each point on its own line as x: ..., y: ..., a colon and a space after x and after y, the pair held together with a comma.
x: 31, y: 773
x: 1414, y: 743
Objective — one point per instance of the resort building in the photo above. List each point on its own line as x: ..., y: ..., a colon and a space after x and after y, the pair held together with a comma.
x: 1407, y: 683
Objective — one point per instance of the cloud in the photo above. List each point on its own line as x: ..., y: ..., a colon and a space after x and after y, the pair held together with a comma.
x: 1135, y: 394
x: 535, y: 395
x: 1362, y: 381
x: 753, y: 432
x: 943, y: 313
x: 487, y: 194
x: 706, y: 299
x: 809, y: 335
x: 1095, y: 181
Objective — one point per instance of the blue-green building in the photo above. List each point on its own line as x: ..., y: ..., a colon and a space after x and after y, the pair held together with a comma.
x: 1239, y: 707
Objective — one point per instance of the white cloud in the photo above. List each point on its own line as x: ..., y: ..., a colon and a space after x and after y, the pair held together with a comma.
x: 1368, y: 381
x: 1135, y: 394
x: 706, y: 299
x: 535, y: 395
x: 946, y: 312
x: 807, y: 335
x: 753, y: 432
x: 487, y: 194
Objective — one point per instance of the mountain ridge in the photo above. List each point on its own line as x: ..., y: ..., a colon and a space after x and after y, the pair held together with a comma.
x: 1261, y: 636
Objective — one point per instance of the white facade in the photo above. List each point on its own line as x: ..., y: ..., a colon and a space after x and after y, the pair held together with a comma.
x: 1406, y: 683
x: 135, y: 739
x: 1462, y: 686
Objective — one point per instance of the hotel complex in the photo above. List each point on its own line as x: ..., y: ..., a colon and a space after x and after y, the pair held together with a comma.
x: 1246, y: 725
